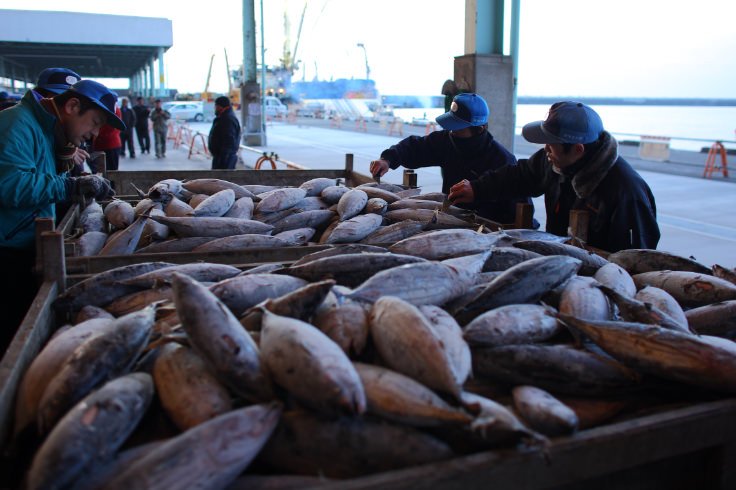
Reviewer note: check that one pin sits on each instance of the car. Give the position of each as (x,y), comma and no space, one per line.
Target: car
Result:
(274,107)
(312,109)
(185,111)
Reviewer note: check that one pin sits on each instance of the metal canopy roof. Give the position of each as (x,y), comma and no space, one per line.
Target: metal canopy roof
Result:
(93,45)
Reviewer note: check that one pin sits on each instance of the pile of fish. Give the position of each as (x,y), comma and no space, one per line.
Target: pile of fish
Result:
(206,215)
(360,359)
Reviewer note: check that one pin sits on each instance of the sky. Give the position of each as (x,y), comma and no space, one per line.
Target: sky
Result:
(624,48)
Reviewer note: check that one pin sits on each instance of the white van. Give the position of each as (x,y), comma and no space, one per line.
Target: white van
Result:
(274,106)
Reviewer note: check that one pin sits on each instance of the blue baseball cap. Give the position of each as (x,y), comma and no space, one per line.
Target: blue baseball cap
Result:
(567,122)
(466,110)
(103,97)
(3,95)
(57,80)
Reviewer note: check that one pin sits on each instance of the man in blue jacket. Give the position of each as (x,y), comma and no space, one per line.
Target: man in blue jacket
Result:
(224,138)
(33,132)
(578,168)
(464,149)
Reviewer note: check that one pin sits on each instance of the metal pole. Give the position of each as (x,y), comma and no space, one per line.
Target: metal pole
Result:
(161,72)
(514,48)
(263,78)
(152,77)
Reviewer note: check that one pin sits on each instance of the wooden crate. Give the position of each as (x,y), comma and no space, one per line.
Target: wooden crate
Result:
(689,447)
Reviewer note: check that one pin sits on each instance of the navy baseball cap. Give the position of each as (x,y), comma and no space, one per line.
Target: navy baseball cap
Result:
(567,122)
(57,80)
(103,97)
(466,110)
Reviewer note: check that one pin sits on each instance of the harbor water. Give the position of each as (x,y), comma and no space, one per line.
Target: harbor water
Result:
(689,127)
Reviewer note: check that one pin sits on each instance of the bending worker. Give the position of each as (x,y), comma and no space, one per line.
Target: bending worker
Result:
(578,168)
(464,149)
(33,132)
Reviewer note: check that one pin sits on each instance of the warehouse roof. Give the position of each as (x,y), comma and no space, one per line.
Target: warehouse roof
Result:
(95,45)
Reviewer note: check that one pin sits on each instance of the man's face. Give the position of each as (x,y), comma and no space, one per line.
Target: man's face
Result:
(561,159)
(78,126)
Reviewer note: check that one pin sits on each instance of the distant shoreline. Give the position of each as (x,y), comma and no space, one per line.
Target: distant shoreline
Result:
(438,101)
(700,102)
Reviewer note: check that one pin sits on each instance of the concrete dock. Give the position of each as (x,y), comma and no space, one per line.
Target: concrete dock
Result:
(697,216)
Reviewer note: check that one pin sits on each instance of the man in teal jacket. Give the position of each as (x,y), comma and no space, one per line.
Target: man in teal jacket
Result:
(33,131)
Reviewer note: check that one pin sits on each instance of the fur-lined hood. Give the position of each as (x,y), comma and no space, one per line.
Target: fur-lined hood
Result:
(594,168)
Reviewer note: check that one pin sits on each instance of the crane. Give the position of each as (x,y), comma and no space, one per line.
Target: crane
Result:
(206,96)
(367,68)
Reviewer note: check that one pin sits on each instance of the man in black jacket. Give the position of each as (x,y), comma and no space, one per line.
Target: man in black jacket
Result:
(224,139)
(464,149)
(126,137)
(142,113)
(578,168)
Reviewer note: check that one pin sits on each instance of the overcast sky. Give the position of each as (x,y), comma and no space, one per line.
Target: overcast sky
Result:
(648,48)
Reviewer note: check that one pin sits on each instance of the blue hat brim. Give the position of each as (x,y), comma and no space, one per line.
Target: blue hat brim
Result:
(55,88)
(112,119)
(534,133)
(450,121)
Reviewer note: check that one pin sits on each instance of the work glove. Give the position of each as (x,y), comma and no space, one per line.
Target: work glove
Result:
(89,186)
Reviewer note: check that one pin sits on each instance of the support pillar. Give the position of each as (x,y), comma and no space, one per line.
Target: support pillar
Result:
(161,73)
(250,92)
(152,78)
(485,70)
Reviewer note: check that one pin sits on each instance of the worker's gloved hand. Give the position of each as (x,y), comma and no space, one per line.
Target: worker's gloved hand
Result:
(89,186)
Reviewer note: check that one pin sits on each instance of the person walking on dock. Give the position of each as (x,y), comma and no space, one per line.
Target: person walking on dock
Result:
(160,119)
(578,168)
(224,138)
(142,113)
(126,137)
(464,149)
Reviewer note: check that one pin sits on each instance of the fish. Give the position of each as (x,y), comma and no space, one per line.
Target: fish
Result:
(318,218)
(244,291)
(217,336)
(724,273)
(297,236)
(186,244)
(667,353)
(346,324)
(399,398)
(664,301)
(615,277)
(280,199)
(240,242)
(189,393)
(102,288)
(97,360)
(333,193)
(314,187)
(213,227)
(210,455)
(290,348)
(394,232)
(558,368)
(717,319)
(177,208)
(90,243)
(350,269)
(92,432)
(503,258)
(633,310)
(242,209)
(300,304)
(543,412)
(119,213)
(590,262)
(349,248)
(638,260)
(375,205)
(215,205)
(126,241)
(526,282)
(139,300)
(355,229)
(582,298)
(443,244)
(201,271)
(512,324)
(690,289)
(212,186)
(351,204)
(409,344)
(304,443)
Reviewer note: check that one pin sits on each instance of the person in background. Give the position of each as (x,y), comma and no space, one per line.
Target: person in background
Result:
(126,137)
(464,149)
(142,113)
(224,138)
(160,119)
(578,168)
(108,141)
(30,183)
(5,101)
